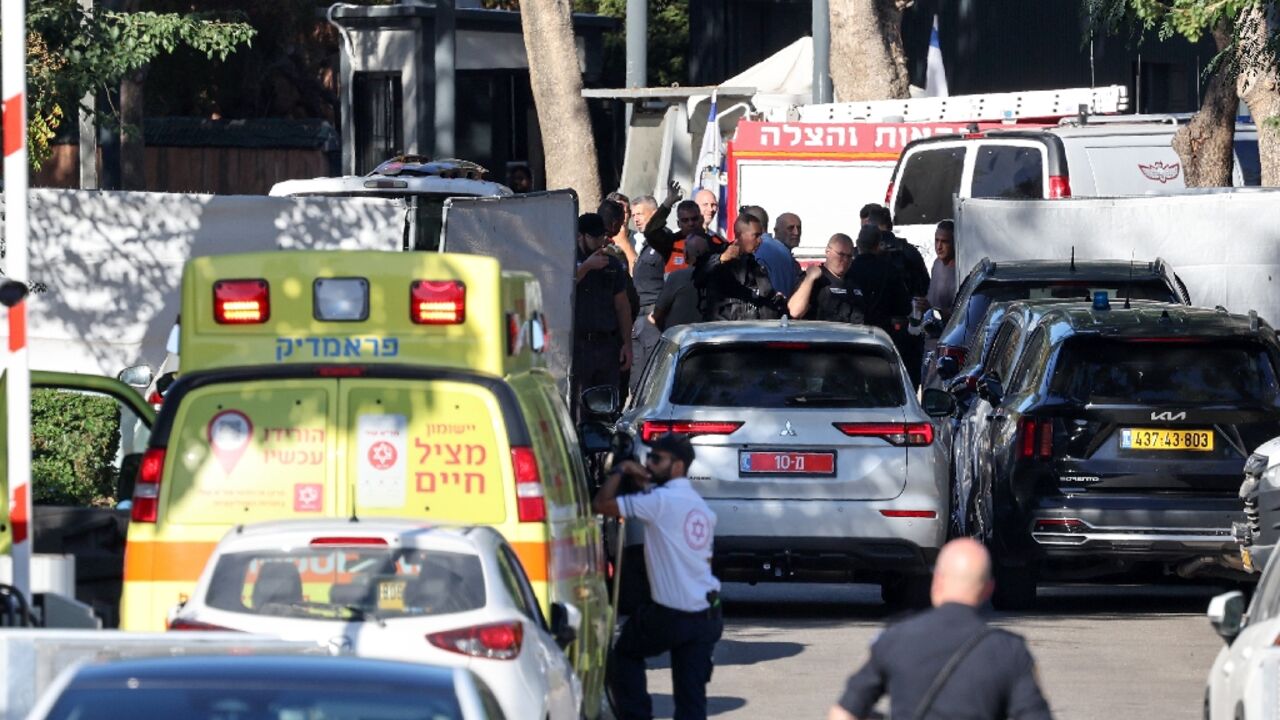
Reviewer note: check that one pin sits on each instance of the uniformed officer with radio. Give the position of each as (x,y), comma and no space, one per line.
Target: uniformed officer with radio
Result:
(601,313)
(683,617)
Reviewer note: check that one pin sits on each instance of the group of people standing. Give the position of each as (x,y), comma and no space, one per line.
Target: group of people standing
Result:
(637,277)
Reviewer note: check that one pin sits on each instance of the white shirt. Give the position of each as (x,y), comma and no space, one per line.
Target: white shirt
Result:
(679,529)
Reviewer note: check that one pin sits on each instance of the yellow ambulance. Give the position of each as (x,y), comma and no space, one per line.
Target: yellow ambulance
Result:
(365,384)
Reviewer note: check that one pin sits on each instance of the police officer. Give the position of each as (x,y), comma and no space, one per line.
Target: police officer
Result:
(947,662)
(733,284)
(823,294)
(683,617)
(884,294)
(601,313)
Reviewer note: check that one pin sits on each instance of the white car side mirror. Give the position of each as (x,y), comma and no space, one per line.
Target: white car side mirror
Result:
(1226,614)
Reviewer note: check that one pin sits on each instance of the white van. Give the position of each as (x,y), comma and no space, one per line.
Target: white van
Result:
(1123,155)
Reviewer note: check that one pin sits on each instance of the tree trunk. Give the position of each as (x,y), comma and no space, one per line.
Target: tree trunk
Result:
(1206,144)
(867,58)
(133,153)
(556,79)
(1259,83)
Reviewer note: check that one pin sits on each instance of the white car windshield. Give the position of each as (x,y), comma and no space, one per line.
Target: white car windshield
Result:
(347,583)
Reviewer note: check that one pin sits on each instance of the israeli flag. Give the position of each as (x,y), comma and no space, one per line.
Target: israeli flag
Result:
(709,154)
(935,75)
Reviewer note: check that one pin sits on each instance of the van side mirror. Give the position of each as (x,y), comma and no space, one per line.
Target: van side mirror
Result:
(938,403)
(601,400)
(990,389)
(1226,614)
(566,620)
(948,367)
(138,376)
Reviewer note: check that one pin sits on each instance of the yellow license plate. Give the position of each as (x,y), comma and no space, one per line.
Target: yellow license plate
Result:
(1151,439)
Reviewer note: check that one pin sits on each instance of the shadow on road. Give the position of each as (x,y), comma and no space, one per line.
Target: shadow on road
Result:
(664,706)
(739,652)
(1101,601)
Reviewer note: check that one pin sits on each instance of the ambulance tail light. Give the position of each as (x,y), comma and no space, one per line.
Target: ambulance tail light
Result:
(347,541)
(241,302)
(438,302)
(888,194)
(530,505)
(497,641)
(1059,186)
(146,491)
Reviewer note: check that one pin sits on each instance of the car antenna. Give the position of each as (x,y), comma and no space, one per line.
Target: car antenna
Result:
(1073,258)
(1128,287)
(354,517)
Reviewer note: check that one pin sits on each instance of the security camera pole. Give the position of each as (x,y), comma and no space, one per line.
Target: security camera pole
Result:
(18,375)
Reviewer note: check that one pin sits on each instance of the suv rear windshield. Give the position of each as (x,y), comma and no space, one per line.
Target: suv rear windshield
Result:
(1213,372)
(790,375)
(328,583)
(1147,288)
(929,179)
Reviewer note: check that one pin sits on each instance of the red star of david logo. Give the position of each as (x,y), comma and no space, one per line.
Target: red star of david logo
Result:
(697,529)
(382,455)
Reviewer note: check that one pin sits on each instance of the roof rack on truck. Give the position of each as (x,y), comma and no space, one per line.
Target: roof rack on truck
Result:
(987,107)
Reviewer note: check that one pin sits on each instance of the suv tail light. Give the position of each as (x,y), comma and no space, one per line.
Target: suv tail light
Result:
(651,430)
(241,302)
(183,624)
(438,302)
(898,434)
(1036,439)
(498,641)
(1059,186)
(530,504)
(146,491)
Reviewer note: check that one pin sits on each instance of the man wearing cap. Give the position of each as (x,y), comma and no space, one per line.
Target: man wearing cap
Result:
(601,350)
(684,615)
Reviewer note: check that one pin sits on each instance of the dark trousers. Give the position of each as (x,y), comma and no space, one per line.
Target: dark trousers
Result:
(653,630)
(645,337)
(595,362)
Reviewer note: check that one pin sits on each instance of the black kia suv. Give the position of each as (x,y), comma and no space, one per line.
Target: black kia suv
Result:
(1118,440)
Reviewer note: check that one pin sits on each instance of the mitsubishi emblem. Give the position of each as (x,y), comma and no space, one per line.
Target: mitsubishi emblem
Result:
(787,430)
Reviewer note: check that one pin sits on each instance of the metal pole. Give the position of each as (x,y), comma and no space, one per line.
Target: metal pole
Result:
(821,29)
(446,104)
(13,57)
(88,132)
(637,43)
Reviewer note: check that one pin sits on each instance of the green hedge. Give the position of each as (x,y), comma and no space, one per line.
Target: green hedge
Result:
(74,440)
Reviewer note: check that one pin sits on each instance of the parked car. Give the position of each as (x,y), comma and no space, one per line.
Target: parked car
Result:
(1260,531)
(1127,156)
(1249,659)
(1003,330)
(812,450)
(1118,440)
(400,590)
(265,688)
(1067,279)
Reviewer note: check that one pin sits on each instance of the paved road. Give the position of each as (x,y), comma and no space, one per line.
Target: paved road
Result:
(1131,652)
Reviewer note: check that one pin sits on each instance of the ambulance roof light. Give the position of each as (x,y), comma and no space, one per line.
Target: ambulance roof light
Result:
(241,302)
(438,302)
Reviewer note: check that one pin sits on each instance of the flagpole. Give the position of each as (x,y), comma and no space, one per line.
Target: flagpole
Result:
(18,375)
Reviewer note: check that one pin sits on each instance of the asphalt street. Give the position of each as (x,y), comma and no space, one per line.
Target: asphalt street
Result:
(1130,651)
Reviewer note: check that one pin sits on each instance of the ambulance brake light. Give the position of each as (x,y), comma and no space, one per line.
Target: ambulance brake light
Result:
(438,302)
(146,491)
(241,302)
(530,504)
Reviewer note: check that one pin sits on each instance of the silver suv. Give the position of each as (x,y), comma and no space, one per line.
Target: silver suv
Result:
(811,448)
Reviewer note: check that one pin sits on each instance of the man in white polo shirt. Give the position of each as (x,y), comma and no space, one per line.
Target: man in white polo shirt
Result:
(684,615)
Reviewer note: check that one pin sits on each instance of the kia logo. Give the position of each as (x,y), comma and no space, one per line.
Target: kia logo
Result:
(1168,415)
